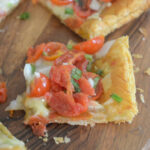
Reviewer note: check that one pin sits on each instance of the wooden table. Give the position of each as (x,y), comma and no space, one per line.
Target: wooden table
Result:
(43,27)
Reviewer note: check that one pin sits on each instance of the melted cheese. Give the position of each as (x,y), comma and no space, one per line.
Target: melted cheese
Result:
(36,106)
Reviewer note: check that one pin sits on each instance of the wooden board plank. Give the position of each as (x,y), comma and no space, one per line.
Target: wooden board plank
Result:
(43,27)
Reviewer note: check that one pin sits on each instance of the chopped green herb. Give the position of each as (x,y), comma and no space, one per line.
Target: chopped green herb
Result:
(44,54)
(99,72)
(76,85)
(69,46)
(76,73)
(89,57)
(116,98)
(69,11)
(24,16)
(96,80)
(33,68)
(89,67)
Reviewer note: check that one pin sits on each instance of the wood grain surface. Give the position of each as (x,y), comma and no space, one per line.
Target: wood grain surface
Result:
(43,27)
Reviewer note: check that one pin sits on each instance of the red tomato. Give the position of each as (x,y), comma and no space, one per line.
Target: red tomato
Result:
(70,57)
(81,13)
(85,86)
(61,76)
(90,46)
(35,53)
(67,105)
(98,90)
(38,125)
(81,62)
(39,86)
(3,92)
(74,23)
(61,2)
(53,50)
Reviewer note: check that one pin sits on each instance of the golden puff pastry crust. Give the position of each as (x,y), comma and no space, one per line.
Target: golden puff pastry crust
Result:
(120,13)
(8,141)
(119,79)
(111,18)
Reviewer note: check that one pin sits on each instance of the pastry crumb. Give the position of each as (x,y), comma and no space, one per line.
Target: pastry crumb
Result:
(143,31)
(45,139)
(136,69)
(140,90)
(142,98)
(60,140)
(138,56)
(147,71)
(66,139)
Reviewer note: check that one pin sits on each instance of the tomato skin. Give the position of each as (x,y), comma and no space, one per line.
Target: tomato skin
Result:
(53,50)
(81,13)
(39,86)
(67,105)
(85,86)
(99,90)
(3,92)
(35,53)
(91,46)
(74,23)
(38,125)
(61,2)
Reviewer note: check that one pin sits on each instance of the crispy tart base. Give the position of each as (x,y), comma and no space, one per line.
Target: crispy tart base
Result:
(120,13)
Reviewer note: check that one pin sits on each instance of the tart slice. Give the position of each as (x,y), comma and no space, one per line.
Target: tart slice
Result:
(78,84)
(91,18)
(8,141)
(7,6)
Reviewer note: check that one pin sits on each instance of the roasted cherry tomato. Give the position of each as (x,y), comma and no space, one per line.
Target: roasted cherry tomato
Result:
(74,23)
(80,12)
(61,75)
(39,86)
(3,92)
(35,53)
(90,46)
(85,86)
(99,90)
(67,105)
(53,50)
(61,2)
(38,125)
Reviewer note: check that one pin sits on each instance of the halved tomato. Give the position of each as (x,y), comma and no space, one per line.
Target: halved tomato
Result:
(74,23)
(90,46)
(67,105)
(53,50)
(80,12)
(39,86)
(35,53)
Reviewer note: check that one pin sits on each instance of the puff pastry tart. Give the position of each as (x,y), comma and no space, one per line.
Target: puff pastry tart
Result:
(91,18)
(78,84)
(7,6)
(8,141)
